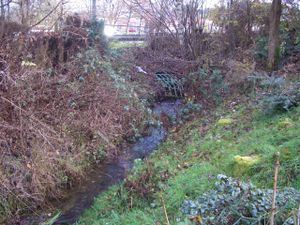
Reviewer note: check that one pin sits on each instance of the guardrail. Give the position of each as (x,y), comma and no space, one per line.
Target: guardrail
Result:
(129,37)
(126,29)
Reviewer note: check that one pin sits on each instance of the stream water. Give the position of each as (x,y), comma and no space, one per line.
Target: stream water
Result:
(115,170)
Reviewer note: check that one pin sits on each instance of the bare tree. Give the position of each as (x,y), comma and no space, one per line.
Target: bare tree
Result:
(182,21)
(2,15)
(112,10)
(4,9)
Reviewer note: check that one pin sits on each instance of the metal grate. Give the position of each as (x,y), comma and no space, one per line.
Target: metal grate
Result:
(173,86)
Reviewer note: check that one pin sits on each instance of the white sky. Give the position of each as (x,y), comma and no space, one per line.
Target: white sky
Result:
(83,5)
(78,5)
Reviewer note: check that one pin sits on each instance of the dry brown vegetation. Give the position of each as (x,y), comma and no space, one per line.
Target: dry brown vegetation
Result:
(58,116)
(52,123)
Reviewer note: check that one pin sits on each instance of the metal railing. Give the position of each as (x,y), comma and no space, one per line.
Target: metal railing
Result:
(127,29)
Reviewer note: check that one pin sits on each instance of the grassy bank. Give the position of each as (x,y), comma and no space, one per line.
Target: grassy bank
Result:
(186,165)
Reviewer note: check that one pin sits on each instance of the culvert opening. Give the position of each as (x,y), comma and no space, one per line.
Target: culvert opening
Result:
(172,86)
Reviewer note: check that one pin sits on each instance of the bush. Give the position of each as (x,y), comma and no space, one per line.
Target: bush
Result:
(280,95)
(273,83)
(261,52)
(273,103)
(236,202)
(189,108)
(96,35)
(209,84)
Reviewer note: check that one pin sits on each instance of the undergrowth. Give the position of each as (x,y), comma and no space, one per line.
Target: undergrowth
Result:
(55,123)
(187,164)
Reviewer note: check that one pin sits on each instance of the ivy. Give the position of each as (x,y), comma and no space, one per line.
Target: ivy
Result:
(236,202)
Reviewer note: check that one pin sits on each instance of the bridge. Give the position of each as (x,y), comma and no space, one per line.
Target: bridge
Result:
(125,32)
(128,37)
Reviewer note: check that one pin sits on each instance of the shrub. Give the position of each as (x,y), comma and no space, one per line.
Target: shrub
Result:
(209,84)
(273,103)
(189,108)
(272,83)
(96,35)
(280,95)
(262,48)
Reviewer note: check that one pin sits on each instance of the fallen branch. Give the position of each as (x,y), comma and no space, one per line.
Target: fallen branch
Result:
(298,216)
(164,207)
(273,213)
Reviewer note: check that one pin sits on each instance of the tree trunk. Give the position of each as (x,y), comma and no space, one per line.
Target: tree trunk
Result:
(128,20)
(231,33)
(8,11)
(94,10)
(249,23)
(273,53)
(22,12)
(2,16)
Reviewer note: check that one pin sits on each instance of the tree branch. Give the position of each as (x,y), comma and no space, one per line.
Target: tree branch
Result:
(48,14)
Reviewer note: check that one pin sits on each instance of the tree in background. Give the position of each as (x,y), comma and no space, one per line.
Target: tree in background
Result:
(93,9)
(31,12)
(273,46)
(112,10)
(182,22)
(4,9)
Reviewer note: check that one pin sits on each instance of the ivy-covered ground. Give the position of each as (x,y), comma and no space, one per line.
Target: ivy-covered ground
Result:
(238,140)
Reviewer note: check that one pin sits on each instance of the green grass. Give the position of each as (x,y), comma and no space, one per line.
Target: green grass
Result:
(185,166)
(118,48)
(125,44)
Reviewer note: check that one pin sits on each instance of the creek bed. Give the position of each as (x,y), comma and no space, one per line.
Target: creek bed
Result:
(115,170)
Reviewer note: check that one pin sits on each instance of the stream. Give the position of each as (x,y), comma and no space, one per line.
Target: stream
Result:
(114,171)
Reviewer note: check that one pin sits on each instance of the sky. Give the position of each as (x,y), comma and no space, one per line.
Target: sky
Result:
(78,5)
(83,5)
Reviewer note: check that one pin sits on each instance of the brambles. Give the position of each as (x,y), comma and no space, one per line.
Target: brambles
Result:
(189,108)
(54,123)
(208,85)
(144,183)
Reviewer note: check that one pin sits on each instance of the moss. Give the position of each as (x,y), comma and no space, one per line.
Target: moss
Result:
(244,163)
(285,123)
(224,122)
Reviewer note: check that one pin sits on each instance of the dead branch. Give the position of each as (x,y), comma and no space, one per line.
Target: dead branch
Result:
(273,213)
(165,210)
(47,15)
